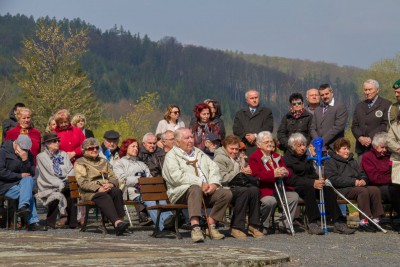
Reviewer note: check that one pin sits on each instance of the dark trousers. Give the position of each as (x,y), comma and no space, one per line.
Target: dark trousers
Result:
(310,195)
(391,194)
(369,200)
(219,201)
(244,198)
(110,203)
(72,211)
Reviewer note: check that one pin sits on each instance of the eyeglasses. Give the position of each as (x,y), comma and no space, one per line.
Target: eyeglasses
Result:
(54,141)
(299,103)
(170,139)
(92,148)
(175,112)
(151,143)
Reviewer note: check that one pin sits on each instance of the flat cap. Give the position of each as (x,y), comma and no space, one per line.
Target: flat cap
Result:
(111,134)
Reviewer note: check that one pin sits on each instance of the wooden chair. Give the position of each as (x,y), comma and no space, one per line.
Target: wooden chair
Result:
(155,189)
(74,191)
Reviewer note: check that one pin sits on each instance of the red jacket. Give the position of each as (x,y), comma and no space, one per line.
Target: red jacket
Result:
(377,167)
(71,140)
(267,179)
(33,133)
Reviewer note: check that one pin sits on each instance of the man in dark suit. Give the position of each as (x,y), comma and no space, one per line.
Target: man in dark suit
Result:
(251,120)
(370,117)
(329,121)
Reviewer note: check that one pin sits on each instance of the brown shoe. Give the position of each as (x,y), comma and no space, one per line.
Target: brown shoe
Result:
(236,233)
(215,234)
(255,232)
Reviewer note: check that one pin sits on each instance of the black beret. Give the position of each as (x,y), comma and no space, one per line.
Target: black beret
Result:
(111,134)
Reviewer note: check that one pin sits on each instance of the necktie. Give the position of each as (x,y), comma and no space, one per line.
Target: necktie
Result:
(325,108)
(252,110)
(369,104)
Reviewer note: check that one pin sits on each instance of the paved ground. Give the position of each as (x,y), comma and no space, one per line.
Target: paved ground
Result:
(73,248)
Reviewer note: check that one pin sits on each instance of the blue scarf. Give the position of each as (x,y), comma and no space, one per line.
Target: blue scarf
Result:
(57,161)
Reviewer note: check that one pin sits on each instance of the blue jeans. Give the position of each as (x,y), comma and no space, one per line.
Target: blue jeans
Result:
(23,192)
(153,213)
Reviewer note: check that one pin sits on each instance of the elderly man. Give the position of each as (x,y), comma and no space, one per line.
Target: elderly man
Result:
(109,148)
(312,97)
(151,154)
(370,117)
(191,177)
(329,120)
(251,120)
(16,182)
(167,140)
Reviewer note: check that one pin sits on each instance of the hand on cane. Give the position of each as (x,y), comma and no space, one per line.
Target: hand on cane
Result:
(319,184)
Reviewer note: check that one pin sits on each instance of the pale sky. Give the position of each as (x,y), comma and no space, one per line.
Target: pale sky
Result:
(346,32)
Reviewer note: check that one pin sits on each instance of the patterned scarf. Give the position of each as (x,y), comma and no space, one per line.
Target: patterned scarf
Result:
(296,113)
(57,160)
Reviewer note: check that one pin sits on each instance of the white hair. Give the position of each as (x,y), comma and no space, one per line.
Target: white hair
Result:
(296,138)
(251,90)
(373,82)
(179,132)
(261,135)
(147,136)
(379,139)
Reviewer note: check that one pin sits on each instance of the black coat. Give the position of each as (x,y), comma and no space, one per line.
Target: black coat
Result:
(88,133)
(154,160)
(343,173)
(11,167)
(303,169)
(245,122)
(369,121)
(290,125)
(9,123)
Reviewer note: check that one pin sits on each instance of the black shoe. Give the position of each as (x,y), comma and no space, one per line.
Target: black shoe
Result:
(169,223)
(315,229)
(144,220)
(23,212)
(121,228)
(37,227)
(366,228)
(341,228)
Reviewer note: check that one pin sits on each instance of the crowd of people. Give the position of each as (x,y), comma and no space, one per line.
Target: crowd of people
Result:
(201,163)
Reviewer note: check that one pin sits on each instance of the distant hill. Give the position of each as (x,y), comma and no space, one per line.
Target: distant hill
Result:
(123,65)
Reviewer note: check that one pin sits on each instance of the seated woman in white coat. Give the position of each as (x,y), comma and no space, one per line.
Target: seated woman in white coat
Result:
(129,169)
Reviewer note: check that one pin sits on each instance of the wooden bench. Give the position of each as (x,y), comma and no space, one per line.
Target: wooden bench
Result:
(10,204)
(74,191)
(155,189)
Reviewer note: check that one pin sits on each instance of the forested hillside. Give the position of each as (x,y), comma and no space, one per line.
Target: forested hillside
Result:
(123,65)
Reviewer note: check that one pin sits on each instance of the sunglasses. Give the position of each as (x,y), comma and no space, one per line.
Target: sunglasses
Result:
(175,112)
(54,141)
(93,148)
(299,103)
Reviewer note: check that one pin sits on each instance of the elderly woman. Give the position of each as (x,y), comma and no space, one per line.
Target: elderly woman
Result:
(171,120)
(243,197)
(24,126)
(79,120)
(54,168)
(268,166)
(377,165)
(305,182)
(128,170)
(203,125)
(97,182)
(346,176)
(297,120)
(71,137)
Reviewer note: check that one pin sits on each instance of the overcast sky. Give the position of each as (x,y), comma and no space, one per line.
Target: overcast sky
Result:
(346,32)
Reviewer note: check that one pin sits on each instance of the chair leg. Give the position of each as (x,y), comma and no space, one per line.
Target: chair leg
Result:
(84,226)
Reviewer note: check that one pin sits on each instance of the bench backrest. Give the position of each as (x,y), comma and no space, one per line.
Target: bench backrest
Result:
(153,188)
(73,187)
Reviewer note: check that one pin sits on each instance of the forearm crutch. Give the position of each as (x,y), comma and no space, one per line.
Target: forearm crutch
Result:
(194,165)
(318,144)
(328,183)
(285,208)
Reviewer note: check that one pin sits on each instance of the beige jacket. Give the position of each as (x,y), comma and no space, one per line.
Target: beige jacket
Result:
(89,178)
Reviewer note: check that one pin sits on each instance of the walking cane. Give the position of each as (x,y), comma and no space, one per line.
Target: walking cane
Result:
(328,183)
(285,206)
(318,144)
(194,164)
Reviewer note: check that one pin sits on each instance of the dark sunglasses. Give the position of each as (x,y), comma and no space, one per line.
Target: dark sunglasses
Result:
(175,112)
(297,103)
(92,148)
(54,141)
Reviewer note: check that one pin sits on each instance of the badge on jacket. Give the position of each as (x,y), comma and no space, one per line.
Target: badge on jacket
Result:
(378,113)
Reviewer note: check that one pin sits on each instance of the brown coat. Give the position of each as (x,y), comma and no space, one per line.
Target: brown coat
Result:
(89,178)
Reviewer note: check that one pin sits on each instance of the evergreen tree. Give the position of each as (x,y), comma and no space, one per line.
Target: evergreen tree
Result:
(52,78)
